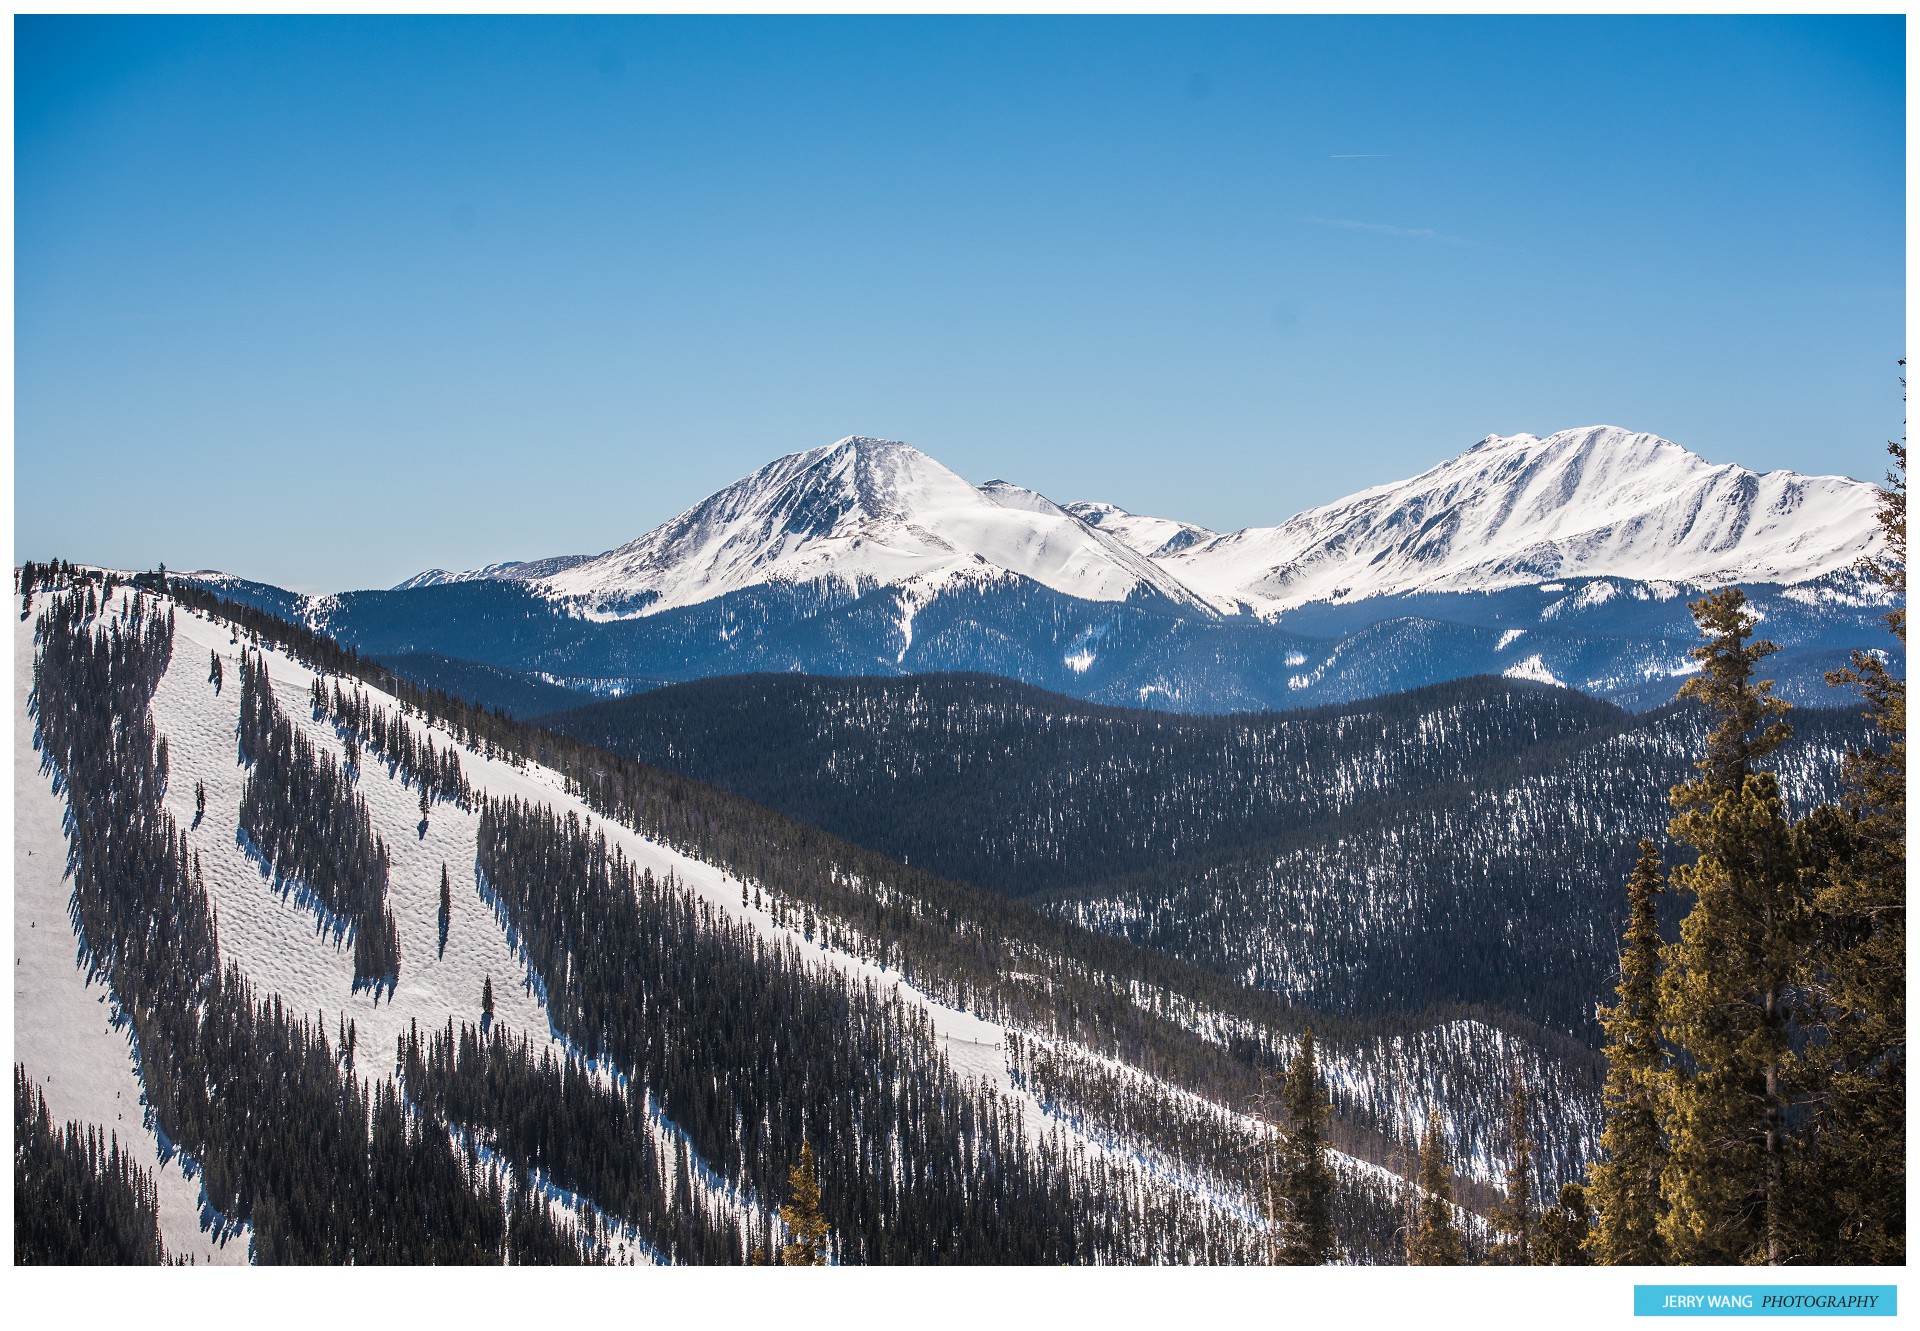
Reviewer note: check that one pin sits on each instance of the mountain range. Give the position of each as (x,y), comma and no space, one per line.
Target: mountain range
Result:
(1565,559)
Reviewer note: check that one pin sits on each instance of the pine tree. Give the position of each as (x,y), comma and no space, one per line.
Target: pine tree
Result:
(802,1215)
(446,907)
(1625,1180)
(1566,1230)
(1514,1218)
(1855,855)
(1435,1239)
(1727,993)
(486,1002)
(1306,1176)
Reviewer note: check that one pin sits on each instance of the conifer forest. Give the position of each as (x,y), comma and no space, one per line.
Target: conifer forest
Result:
(944,968)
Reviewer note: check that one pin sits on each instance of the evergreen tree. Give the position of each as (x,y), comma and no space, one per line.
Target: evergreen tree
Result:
(446,907)
(1514,1218)
(1855,855)
(1306,1176)
(1566,1230)
(802,1215)
(486,1002)
(1435,1239)
(1727,994)
(1626,1178)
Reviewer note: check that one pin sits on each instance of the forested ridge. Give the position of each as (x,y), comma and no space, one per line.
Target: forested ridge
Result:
(1350,857)
(978,950)
(1012,788)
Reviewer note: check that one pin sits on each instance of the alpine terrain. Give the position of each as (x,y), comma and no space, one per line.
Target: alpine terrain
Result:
(1565,560)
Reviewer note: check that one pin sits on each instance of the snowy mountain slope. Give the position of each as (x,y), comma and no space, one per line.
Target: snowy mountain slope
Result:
(857,514)
(1596,501)
(281,946)
(1152,537)
(1519,509)
(279,943)
(66,1028)
(526,570)
(868,557)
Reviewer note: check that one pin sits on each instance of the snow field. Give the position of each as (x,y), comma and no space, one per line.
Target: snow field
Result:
(64,1025)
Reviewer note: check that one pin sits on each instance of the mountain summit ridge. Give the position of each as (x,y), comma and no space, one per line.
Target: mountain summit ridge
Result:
(1599,501)
(866,512)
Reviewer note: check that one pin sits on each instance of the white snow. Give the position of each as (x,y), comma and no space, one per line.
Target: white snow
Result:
(1508,638)
(858,514)
(1149,536)
(1532,667)
(1511,511)
(1514,510)
(64,1026)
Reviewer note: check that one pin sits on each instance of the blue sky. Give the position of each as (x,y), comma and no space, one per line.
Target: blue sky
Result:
(327,301)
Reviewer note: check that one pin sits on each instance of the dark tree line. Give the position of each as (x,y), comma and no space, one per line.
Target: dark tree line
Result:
(300,812)
(289,1140)
(1366,915)
(1012,788)
(554,1117)
(435,772)
(78,1199)
(752,1051)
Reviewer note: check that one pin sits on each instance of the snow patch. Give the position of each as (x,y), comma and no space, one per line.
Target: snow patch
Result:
(1533,668)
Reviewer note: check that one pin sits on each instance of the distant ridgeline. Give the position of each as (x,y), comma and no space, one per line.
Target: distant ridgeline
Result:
(1568,559)
(504,644)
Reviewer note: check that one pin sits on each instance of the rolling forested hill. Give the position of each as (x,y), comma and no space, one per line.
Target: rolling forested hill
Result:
(1461,843)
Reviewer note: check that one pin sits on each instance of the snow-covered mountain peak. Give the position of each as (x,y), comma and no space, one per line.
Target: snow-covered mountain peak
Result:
(856,514)
(864,512)
(1600,500)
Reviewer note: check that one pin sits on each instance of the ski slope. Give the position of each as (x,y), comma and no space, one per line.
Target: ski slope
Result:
(64,1025)
(64,1030)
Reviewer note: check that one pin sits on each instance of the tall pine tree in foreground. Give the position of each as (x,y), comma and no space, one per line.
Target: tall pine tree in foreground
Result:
(1306,1175)
(1856,858)
(1435,1239)
(1625,1180)
(1727,994)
